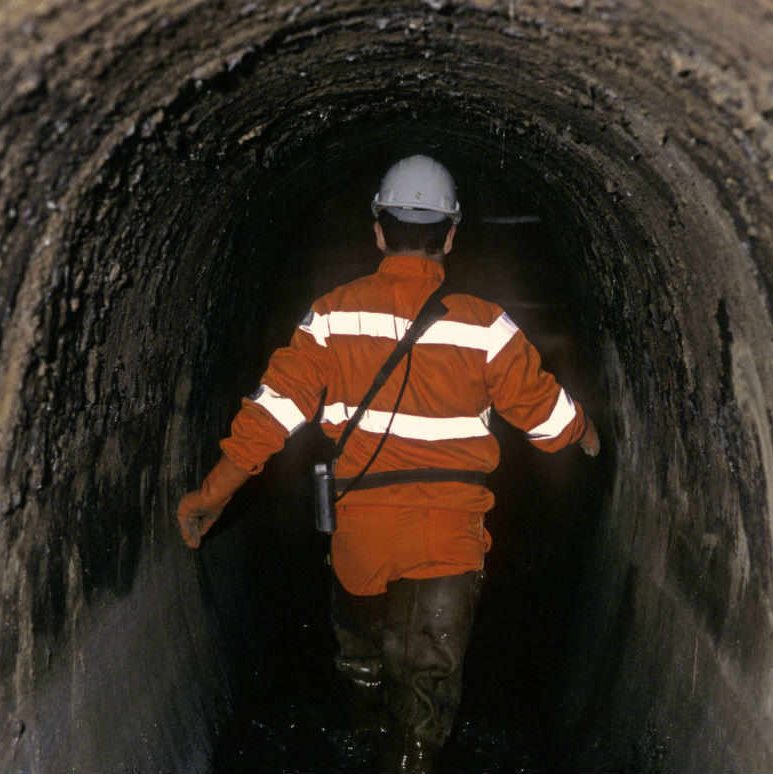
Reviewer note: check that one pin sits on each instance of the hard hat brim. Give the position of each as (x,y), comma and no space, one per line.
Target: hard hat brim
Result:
(408,214)
(412,215)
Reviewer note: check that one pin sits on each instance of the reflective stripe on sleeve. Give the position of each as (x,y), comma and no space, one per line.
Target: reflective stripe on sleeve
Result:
(318,327)
(563,413)
(408,425)
(282,409)
(500,332)
(489,338)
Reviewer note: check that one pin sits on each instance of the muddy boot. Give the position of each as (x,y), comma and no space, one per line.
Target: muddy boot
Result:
(426,629)
(358,627)
(402,752)
(364,706)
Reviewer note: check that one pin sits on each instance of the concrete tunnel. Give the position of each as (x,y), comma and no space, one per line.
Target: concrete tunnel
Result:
(178,179)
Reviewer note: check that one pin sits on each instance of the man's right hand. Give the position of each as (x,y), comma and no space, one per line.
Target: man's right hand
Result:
(195,517)
(200,509)
(590,442)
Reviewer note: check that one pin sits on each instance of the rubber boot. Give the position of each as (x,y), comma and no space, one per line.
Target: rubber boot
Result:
(402,752)
(427,626)
(358,627)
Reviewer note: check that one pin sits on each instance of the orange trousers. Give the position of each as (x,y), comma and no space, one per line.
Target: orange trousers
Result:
(375,545)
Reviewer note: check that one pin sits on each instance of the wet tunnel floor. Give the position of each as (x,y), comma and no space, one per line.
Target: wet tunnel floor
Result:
(297,723)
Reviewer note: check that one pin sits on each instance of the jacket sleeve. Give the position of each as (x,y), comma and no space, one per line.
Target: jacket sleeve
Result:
(287,398)
(530,398)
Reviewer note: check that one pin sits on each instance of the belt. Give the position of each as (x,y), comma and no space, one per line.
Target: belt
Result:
(419,476)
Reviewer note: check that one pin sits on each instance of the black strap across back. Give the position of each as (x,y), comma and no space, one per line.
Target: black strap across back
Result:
(432,310)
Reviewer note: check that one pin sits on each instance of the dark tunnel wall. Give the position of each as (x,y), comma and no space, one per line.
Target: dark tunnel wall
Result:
(137,139)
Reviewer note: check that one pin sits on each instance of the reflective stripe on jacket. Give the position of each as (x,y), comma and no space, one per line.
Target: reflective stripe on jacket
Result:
(471,360)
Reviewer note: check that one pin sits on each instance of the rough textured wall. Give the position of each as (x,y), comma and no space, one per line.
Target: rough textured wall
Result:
(136,136)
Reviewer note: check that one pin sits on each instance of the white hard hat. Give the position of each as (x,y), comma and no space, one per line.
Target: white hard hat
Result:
(418,189)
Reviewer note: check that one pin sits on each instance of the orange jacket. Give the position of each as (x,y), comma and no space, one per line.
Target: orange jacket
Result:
(471,360)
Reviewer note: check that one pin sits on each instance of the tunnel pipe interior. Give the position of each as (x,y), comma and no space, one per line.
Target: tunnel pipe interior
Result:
(155,161)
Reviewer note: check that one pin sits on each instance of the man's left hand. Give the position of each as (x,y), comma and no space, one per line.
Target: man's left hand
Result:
(590,442)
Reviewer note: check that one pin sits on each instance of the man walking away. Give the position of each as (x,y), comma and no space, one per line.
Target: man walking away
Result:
(409,546)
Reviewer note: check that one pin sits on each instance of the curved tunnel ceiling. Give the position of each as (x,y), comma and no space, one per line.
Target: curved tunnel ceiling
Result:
(137,139)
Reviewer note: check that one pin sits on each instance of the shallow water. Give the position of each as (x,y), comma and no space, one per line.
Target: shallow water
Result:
(289,717)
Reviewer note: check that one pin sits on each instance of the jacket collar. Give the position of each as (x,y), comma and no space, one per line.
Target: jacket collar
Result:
(412,265)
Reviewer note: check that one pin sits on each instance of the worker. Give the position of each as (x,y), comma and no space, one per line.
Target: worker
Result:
(408,550)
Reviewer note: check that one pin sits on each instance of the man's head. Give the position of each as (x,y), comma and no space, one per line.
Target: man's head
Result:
(416,208)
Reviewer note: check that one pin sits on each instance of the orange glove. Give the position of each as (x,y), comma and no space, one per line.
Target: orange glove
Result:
(200,509)
(590,442)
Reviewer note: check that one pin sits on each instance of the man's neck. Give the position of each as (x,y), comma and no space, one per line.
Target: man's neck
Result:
(436,257)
